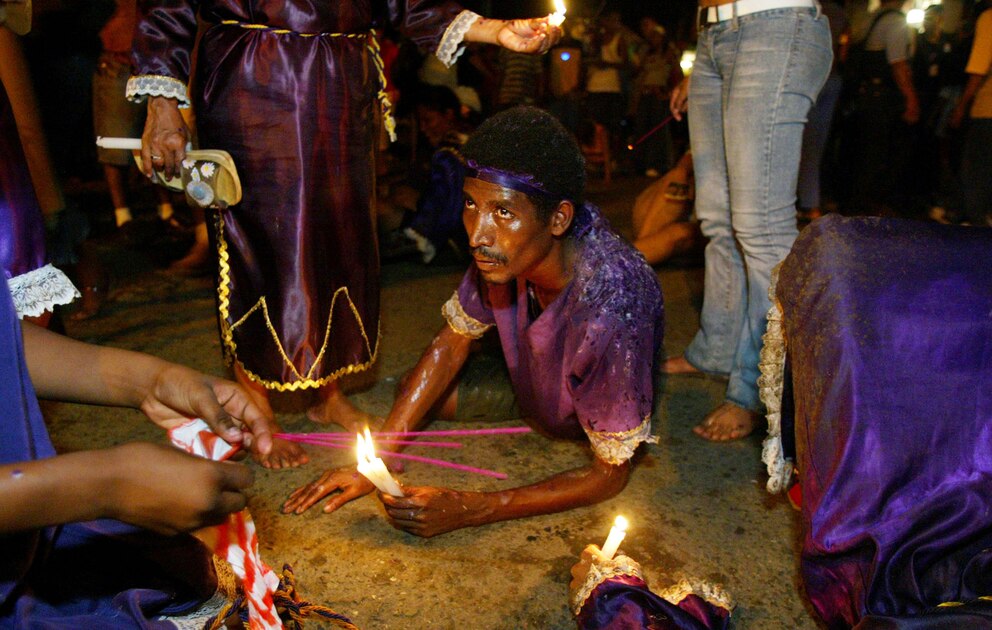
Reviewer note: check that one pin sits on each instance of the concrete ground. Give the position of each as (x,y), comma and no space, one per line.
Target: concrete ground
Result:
(695,508)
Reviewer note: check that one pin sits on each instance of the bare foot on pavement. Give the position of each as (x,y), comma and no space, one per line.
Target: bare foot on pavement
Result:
(727,422)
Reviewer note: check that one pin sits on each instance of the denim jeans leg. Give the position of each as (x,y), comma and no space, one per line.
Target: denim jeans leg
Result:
(753,82)
(781,59)
(712,349)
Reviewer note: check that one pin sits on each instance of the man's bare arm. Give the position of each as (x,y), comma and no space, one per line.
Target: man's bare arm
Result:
(429,511)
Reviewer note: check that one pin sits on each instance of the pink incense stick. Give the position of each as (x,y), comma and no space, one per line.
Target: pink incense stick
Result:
(448,433)
(416,458)
(317,438)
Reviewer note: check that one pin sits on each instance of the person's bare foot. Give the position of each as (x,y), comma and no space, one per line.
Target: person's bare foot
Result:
(198,261)
(727,422)
(333,407)
(678,365)
(284,454)
(89,305)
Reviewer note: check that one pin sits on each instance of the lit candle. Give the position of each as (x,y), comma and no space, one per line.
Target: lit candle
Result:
(556,18)
(372,467)
(617,532)
(133,144)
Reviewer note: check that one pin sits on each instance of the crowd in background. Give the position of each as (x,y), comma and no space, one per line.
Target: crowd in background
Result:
(897,152)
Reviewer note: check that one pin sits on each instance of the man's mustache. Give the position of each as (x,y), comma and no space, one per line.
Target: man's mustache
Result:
(489,254)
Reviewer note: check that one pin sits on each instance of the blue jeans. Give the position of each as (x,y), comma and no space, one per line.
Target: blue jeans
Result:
(753,82)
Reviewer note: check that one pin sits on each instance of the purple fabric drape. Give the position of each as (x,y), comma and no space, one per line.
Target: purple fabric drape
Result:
(22,229)
(625,602)
(889,329)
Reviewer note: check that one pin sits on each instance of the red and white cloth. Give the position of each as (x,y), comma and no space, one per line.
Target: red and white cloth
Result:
(235,540)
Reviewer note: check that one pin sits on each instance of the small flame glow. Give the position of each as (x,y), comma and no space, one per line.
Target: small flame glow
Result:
(556,18)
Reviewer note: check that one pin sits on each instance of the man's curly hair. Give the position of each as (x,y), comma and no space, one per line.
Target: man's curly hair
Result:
(530,141)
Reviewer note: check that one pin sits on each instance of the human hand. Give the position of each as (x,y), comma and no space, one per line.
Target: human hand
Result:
(679,102)
(535,35)
(428,511)
(168,491)
(178,393)
(591,554)
(351,484)
(163,143)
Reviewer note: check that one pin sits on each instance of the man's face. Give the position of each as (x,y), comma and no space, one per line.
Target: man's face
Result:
(507,238)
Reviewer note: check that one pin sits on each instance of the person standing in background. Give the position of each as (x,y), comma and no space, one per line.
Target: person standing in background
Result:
(756,75)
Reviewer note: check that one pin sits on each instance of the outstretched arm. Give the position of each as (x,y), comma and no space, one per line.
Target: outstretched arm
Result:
(533,35)
(65,369)
(152,486)
(430,378)
(429,511)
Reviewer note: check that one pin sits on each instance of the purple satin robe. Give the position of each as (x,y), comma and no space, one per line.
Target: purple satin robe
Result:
(586,363)
(889,329)
(101,575)
(22,229)
(299,277)
(626,603)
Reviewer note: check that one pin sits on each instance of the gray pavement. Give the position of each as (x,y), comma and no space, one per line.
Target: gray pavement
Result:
(696,509)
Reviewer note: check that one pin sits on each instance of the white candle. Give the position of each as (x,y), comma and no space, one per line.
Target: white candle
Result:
(372,467)
(556,18)
(133,144)
(617,532)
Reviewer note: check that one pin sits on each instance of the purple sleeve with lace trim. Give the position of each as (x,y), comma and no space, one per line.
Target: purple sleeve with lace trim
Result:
(626,602)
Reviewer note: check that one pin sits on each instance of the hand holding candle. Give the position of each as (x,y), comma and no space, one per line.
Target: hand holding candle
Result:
(372,467)
(617,532)
(556,18)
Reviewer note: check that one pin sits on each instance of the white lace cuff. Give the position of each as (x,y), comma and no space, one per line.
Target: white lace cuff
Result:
(712,593)
(450,48)
(599,572)
(41,290)
(460,321)
(616,448)
(142,86)
(772,364)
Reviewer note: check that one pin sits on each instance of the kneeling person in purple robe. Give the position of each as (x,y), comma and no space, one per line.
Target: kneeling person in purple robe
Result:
(580,320)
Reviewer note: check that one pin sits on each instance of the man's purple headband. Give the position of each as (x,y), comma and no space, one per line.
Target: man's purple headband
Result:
(527,184)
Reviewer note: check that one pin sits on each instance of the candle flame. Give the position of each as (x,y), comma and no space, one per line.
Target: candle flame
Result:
(556,18)
(364,450)
(620,523)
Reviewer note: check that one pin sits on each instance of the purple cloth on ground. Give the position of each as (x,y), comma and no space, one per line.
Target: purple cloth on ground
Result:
(626,603)
(298,116)
(97,575)
(587,361)
(889,328)
(22,229)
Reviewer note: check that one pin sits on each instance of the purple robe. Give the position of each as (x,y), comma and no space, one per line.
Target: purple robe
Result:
(625,602)
(889,329)
(22,229)
(585,365)
(299,267)
(96,575)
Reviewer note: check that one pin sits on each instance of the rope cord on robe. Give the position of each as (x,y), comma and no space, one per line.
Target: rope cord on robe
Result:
(370,42)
